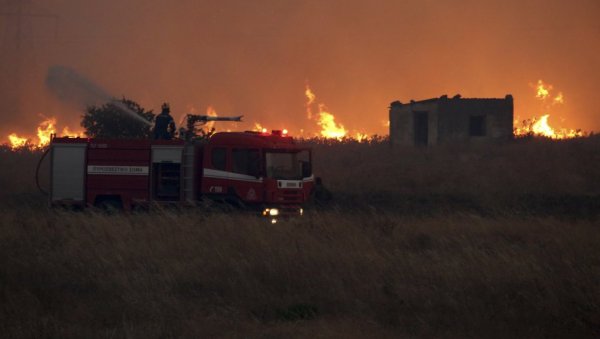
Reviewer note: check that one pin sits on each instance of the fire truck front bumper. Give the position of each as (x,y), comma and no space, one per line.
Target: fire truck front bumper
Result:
(282,212)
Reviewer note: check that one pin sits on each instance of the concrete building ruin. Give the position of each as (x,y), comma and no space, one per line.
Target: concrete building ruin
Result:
(446,120)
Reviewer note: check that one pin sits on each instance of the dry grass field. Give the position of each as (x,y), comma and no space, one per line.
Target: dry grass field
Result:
(525,175)
(456,241)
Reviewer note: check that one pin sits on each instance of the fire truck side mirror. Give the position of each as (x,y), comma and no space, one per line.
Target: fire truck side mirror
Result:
(306,169)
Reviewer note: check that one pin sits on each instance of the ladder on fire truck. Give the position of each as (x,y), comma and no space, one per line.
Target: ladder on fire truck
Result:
(188,173)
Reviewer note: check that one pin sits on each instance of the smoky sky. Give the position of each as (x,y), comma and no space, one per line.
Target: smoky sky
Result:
(256,57)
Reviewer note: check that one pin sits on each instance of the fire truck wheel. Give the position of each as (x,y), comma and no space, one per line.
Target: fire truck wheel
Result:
(109,204)
(235,203)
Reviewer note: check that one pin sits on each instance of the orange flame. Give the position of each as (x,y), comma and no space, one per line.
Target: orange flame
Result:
(329,128)
(310,96)
(66,132)
(542,90)
(44,133)
(259,128)
(211,112)
(360,137)
(540,126)
(16,141)
(559,99)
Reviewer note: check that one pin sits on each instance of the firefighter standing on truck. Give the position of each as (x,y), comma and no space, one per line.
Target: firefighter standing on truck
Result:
(164,125)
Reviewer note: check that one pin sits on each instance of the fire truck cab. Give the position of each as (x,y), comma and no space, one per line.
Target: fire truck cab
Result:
(266,171)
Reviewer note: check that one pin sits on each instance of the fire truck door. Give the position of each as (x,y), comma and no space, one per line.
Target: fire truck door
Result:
(246,174)
(166,173)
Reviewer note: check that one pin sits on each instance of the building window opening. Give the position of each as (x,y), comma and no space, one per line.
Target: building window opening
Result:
(421,128)
(477,126)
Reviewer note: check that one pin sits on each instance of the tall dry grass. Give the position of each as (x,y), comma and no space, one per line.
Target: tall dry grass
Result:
(522,176)
(17,175)
(518,167)
(332,274)
(452,241)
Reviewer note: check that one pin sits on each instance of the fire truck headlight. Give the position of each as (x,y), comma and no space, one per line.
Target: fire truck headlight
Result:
(301,211)
(273,212)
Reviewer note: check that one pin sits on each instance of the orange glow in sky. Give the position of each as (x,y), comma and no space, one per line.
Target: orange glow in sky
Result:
(255,58)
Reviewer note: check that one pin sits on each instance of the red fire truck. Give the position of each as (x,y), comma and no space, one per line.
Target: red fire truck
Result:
(269,171)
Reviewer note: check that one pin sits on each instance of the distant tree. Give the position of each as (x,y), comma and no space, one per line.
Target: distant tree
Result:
(118,119)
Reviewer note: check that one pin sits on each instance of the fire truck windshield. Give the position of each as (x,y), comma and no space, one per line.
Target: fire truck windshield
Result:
(288,165)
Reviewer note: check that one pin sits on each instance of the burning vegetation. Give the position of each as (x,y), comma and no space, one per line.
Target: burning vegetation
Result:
(539,126)
(326,120)
(324,123)
(44,132)
(325,126)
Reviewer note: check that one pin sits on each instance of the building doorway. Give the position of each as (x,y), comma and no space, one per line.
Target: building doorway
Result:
(421,128)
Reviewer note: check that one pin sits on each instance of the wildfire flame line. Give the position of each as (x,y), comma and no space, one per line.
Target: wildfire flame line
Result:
(540,126)
(329,128)
(17,141)
(44,132)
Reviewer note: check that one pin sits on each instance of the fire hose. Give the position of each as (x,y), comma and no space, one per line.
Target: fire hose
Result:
(37,172)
